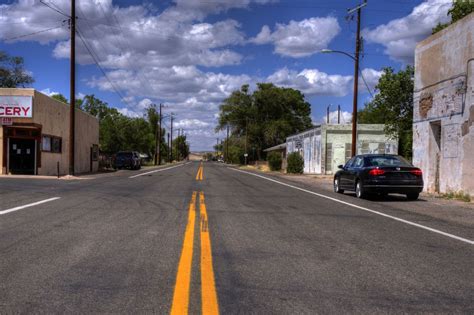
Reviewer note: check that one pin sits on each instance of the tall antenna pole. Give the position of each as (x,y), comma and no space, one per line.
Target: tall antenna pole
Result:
(72,95)
(327,114)
(338,114)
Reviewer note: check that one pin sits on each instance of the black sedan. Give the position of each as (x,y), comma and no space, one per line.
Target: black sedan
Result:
(379,174)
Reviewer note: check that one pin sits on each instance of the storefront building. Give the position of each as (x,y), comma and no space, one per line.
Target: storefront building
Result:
(34,135)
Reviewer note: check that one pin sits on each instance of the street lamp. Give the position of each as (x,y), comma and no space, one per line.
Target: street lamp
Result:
(354,102)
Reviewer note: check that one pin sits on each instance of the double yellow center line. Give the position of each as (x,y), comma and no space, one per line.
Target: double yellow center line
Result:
(199,174)
(183,279)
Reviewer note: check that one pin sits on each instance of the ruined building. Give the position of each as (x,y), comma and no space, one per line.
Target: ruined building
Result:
(443,128)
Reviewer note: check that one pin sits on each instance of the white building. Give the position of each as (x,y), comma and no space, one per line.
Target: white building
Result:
(326,146)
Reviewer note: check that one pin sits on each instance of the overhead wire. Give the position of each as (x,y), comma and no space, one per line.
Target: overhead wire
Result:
(33,33)
(114,87)
(53,7)
(142,80)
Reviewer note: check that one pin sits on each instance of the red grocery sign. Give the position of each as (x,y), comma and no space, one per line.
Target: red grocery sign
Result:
(16,106)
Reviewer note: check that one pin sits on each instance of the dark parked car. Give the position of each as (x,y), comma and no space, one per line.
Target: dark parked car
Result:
(379,174)
(127,159)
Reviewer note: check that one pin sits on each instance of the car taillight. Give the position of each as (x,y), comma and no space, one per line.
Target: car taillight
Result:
(376,172)
(416,172)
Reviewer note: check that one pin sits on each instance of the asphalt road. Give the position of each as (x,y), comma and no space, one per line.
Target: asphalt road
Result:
(215,239)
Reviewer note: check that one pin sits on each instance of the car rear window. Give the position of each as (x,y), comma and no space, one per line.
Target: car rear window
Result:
(387,161)
(124,154)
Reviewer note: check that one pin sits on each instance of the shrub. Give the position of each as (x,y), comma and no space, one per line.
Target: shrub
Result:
(274,161)
(295,163)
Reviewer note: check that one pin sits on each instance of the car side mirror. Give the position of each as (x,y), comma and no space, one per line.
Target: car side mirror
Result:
(340,167)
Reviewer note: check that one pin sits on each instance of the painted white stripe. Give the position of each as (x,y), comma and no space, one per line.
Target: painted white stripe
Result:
(155,171)
(28,205)
(471,242)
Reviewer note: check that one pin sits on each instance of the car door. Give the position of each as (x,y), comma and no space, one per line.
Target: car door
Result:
(344,175)
(353,171)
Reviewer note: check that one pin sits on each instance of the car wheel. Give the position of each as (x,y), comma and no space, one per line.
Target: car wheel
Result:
(360,190)
(413,196)
(337,189)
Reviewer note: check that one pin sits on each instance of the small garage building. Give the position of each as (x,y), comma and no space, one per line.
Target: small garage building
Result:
(34,135)
(325,147)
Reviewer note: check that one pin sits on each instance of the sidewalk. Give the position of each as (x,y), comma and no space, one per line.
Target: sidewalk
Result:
(87,176)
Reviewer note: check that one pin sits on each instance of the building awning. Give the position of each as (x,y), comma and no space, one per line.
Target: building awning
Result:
(276,148)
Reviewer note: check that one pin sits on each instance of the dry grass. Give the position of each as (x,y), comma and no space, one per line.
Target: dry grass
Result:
(456,195)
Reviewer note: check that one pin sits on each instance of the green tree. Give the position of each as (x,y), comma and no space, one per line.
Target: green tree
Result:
(63,99)
(295,163)
(12,73)
(265,117)
(60,97)
(95,107)
(459,9)
(274,161)
(180,148)
(393,106)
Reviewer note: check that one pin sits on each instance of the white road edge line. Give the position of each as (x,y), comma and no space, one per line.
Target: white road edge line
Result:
(158,170)
(471,242)
(28,205)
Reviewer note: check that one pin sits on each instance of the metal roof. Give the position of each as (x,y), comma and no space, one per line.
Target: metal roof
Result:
(277,147)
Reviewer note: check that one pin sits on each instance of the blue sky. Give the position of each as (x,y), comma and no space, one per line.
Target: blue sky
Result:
(191,54)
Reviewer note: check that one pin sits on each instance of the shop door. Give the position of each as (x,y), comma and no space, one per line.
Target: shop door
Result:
(21,156)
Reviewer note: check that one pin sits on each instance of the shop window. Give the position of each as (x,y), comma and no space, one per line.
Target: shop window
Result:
(46,144)
(56,145)
(51,144)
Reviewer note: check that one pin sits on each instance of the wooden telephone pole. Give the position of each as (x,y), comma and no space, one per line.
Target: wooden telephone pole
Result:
(356,78)
(72,95)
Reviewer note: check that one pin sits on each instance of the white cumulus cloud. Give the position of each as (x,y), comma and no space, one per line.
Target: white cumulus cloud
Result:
(312,81)
(400,36)
(299,38)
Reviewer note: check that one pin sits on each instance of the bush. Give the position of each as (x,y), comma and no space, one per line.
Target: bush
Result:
(274,161)
(295,163)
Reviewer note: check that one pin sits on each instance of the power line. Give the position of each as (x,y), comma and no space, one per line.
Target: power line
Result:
(117,22)
(52,7)
(122,98)
(34,33)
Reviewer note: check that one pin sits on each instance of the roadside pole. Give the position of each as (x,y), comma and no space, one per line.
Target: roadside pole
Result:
(72,90)
(159,138)
(227,146)
(171,139)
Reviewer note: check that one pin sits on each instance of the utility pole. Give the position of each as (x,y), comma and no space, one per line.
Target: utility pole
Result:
(159,139)
(171,139)
(356,78)
(227,146)
(217,147)
(72,95)
(327,114)
(169,147)
(177,146)
(246,132)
